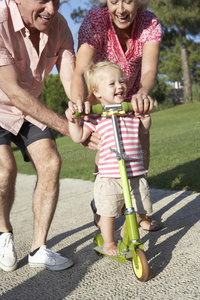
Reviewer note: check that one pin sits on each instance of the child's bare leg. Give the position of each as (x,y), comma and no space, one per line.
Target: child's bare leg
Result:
(107,225)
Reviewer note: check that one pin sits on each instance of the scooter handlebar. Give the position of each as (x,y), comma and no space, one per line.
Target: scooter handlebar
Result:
(98,108)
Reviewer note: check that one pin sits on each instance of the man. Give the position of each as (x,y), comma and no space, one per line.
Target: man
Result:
(33,37)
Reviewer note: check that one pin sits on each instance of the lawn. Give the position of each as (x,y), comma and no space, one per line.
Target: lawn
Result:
(175,148)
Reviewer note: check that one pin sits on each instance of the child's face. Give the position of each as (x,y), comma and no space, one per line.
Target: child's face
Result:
(112,88)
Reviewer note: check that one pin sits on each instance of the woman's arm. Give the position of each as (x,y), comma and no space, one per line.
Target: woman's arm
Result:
(142,102)
(84,58)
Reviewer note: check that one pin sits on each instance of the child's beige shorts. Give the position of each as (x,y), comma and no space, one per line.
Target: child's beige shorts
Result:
(109,198)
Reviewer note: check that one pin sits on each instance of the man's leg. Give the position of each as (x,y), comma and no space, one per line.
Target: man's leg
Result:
(46,160)
(8,171)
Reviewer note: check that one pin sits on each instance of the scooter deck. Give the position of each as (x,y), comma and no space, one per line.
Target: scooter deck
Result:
(120,258)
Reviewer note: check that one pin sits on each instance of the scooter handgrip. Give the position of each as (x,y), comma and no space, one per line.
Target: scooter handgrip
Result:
(95,109)
(127,106)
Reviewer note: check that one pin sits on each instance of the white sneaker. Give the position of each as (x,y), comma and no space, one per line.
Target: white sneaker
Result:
(46,258)
(8,255)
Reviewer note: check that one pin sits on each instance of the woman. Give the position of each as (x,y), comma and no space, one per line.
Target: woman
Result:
(124,32)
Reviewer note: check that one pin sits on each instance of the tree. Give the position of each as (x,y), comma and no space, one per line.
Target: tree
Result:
(161,91)
(182,17)
(53,95)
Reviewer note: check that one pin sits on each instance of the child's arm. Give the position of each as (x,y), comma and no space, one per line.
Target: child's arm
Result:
(145,123)
(78,133)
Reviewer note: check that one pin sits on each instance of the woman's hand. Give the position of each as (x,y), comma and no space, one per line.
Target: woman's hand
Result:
(142,103)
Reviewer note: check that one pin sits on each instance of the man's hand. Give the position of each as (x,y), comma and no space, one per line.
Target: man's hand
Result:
(93,142)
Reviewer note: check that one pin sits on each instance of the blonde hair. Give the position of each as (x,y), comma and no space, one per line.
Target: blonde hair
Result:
(143,4)
(93,80)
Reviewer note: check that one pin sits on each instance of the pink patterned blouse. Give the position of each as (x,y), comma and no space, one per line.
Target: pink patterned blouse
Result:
(97,30)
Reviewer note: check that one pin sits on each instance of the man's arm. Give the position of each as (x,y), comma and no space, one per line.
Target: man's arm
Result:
(29,104)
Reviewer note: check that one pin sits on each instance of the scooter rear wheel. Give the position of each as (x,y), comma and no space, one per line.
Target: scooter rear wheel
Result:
(142,269)
(98,241)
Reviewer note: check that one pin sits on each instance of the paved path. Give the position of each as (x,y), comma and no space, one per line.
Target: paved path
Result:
(173,253)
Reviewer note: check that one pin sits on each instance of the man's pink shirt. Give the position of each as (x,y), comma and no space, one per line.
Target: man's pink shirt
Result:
(16,48)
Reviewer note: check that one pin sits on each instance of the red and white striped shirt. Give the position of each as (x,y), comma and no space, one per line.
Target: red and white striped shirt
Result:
(129,133)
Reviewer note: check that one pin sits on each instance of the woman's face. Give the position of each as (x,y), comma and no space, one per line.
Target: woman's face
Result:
(123,12)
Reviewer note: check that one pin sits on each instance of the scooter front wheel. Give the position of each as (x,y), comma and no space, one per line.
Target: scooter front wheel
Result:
(141,270)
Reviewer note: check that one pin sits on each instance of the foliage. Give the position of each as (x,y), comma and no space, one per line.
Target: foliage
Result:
(160,93)
(54,96)
(175,144)
(170,60)
(78,14)
(196,92)
(181,16)
(181,21)
(163,106)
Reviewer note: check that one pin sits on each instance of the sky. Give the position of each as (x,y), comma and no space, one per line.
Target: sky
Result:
(66,9)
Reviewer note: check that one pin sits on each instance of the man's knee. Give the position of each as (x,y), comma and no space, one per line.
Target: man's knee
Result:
(51,164)
(54,163)
(8,174)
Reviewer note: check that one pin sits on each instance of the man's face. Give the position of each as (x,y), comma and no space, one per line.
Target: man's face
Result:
(38,14)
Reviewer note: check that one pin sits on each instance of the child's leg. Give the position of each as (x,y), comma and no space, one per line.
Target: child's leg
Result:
(107,226)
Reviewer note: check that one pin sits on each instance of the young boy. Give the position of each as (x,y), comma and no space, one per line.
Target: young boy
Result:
(105,81)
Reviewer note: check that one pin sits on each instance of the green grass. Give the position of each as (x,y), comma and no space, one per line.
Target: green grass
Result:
(175,145)
(175,151)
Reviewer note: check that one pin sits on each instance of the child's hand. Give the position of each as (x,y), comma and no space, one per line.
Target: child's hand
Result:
(145,122)
(69,113)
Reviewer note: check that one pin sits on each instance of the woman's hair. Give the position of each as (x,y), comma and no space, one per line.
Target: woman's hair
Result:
(142,3)
(93,79)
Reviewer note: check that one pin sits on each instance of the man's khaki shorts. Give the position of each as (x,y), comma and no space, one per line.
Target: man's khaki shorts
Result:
(109,198)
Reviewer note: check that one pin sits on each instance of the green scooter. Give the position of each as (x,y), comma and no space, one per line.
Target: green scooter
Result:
(130,247)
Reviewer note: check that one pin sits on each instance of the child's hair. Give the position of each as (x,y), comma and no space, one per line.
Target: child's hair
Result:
(143,4)
(92,78)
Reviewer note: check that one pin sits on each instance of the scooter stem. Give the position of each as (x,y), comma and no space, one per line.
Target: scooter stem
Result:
(129,212)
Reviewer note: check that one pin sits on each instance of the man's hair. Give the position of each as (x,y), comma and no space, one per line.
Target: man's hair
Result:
(143,4)
(92,77)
